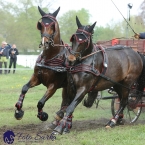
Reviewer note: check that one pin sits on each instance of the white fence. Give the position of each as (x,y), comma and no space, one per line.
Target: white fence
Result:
(27,60)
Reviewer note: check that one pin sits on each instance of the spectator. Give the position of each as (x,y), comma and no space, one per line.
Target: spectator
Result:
(13,52)
(4,55)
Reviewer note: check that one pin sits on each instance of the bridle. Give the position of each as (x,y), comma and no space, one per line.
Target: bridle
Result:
(50,37)
(81,36)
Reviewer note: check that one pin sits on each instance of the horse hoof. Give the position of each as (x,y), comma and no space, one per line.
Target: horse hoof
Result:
(108,127)
(55,133)
(42,116)
(19,114)
(58,129)
(86,103)
(51,126)
(110,124)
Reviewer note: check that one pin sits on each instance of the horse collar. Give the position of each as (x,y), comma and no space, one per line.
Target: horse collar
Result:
(56,63)
(83,67)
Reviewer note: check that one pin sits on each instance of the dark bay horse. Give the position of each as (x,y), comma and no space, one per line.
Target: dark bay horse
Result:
(95,69)
(49,69)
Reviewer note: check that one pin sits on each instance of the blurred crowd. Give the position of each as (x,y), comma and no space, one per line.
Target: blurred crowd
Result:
(9,54)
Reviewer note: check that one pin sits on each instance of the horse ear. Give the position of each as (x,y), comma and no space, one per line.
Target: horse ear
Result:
(56,12)
(41,12)
(92,27)
(78,22)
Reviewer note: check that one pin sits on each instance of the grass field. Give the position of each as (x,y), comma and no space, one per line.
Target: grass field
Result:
(88,124)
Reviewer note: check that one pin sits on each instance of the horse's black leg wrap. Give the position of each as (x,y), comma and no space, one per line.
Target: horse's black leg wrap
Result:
(64,125)
(112,122)
(19,104)
(43,116)
(19,112)
(40,105)
(120,120)
(57,118)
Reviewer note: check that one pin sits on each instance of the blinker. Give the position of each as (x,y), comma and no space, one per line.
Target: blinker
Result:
(39,26)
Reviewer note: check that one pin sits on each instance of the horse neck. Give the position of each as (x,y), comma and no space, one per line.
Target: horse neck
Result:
(51,52)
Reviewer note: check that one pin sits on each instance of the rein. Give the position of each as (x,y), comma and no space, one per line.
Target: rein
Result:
(90,54)
(100,50)
(60,45)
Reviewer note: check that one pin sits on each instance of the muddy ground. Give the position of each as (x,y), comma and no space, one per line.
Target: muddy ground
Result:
(25,132)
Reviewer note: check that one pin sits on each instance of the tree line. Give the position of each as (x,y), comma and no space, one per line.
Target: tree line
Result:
(18,24)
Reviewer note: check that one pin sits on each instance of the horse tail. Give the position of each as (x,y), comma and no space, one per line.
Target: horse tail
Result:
(141,79)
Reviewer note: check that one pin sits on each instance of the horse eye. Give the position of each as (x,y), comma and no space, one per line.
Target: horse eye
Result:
(52,27)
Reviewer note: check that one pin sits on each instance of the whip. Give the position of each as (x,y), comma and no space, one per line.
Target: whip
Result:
(124,18)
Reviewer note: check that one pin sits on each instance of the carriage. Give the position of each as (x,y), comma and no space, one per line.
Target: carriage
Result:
(83,70)
(137,45)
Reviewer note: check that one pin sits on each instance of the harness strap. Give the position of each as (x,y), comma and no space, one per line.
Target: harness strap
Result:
(83,68)
(92,69)
(54,68)
(56,63)
(105,61)
(84,32)
(108,79)
(105,65)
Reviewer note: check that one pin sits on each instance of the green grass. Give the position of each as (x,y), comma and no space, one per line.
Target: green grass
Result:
(10,90)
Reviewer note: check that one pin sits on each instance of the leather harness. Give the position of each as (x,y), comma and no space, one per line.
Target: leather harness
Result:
(57,64)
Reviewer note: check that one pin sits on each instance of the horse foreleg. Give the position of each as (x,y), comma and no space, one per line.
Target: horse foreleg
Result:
(19,112)
(65,124)
(66,100)
(43,116)
(65,103)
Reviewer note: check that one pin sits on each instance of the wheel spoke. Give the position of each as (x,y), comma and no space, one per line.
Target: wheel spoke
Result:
(130,115)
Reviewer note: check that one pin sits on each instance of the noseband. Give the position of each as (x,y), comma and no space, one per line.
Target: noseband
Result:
(50,37)
(86,38)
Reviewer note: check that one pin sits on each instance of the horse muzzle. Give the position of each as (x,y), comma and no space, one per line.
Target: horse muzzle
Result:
(71,59)
(44,46)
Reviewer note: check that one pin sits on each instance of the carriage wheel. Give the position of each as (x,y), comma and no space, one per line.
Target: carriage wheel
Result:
(130,114)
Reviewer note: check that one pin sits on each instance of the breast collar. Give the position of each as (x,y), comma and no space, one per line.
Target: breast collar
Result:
(82,67)
(56,63)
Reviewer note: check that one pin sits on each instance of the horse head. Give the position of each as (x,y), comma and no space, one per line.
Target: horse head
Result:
(49,28)
(81,42)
